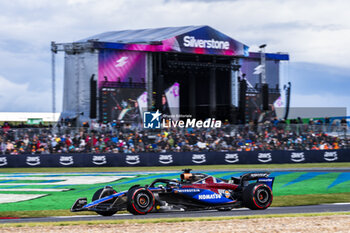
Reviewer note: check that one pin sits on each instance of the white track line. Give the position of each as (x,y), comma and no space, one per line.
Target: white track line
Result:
(87,216)
(35,190)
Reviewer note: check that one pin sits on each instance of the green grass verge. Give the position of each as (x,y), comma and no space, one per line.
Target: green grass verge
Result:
(178,168)
(163,220)
(291,200)
(310,199)
(41,213)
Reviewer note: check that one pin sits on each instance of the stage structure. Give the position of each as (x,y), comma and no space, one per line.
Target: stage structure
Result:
(191,70)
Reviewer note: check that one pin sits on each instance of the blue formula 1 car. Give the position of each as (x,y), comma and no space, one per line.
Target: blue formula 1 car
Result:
(193,191)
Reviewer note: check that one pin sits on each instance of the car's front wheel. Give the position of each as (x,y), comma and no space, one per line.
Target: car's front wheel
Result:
(101,193)
(140,200)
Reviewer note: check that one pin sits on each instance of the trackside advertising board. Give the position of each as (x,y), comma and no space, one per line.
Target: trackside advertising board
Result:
(174,158)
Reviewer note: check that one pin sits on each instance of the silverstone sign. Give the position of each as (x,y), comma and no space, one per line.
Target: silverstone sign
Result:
(206,40)
(191,41)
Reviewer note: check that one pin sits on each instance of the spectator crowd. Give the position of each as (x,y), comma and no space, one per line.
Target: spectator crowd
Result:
(112,139)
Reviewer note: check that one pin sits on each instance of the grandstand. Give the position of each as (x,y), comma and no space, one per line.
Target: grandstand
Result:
(114,138)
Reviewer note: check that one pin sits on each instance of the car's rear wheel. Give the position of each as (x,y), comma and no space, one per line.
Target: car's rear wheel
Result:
(98,195)
(140,200)
(257,196)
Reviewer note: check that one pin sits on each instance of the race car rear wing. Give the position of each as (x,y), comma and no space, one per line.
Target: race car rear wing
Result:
(262,177)
(254,176)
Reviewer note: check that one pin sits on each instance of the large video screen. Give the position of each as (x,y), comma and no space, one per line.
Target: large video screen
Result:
(120,104)
(272,72)
(121,66)
(254,97)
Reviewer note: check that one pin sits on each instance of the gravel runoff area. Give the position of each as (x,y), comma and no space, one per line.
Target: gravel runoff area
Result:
(335,223)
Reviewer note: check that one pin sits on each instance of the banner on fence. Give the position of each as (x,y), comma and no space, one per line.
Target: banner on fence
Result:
(174,158)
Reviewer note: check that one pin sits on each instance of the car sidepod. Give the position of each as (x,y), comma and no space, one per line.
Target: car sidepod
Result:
(203,196)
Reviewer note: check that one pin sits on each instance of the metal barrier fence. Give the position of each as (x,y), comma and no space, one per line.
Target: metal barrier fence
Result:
(298,129)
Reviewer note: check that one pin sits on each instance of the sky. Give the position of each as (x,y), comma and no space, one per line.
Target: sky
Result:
(315,33)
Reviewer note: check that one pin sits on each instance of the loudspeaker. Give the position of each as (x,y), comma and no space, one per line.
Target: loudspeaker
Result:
(265,96)
(93,97)
(242,101)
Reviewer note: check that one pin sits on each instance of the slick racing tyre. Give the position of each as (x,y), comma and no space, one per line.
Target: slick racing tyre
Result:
(98,195)
(257,196)
(140,200)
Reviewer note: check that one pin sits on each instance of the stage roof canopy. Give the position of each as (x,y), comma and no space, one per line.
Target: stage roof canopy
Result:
(137,36)
(187,39)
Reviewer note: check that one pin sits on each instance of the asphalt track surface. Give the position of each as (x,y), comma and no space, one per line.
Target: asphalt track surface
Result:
(339,207)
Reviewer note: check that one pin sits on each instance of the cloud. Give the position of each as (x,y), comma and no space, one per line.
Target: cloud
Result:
(298,27)
(323,101)
(307,78)
(15,97)
(315,31)
(319,100)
